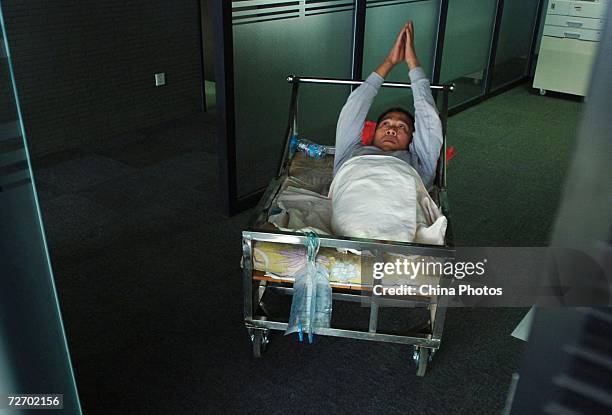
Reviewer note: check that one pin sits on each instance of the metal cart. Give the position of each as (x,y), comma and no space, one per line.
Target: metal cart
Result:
(425,341)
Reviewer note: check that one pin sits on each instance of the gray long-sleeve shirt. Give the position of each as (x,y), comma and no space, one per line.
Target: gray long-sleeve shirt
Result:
(423,151)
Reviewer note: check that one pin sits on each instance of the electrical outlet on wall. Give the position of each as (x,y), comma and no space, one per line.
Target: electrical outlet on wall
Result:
(160,79)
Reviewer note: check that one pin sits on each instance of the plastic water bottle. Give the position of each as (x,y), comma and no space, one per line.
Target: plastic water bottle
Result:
(309,148)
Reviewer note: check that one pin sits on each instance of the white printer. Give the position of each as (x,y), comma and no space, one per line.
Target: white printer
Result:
(570,39)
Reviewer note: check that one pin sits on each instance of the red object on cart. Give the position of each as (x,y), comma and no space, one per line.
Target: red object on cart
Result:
(367,135)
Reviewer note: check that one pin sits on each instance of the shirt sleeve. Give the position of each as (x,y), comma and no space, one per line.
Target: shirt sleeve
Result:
(427,138)
(352,118)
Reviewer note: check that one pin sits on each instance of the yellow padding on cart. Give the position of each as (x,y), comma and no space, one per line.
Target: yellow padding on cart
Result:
(343,267)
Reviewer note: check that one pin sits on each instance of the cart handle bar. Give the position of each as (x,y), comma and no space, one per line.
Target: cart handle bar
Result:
(333,81)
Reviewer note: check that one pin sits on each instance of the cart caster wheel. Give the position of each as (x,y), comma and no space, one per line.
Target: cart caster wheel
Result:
(421,356)
(260,341)
(542,92)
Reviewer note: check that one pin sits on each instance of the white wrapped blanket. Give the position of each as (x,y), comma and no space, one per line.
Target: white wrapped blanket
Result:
(382,197)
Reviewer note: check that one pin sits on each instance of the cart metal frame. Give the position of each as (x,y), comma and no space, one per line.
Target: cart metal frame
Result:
(258,326)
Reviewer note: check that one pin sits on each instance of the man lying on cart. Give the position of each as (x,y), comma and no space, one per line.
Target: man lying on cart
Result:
(366,176)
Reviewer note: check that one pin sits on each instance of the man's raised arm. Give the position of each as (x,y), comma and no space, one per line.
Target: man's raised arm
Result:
(352,117)
(427,138)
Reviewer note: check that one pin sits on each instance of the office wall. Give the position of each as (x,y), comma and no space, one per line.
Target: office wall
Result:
(85,70)
(514,41)
(273,40)
(208,38)
(467,44)
(536,51)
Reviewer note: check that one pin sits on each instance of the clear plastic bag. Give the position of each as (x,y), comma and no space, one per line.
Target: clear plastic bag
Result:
(311,307)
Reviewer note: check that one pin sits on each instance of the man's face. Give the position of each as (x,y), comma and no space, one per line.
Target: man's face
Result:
(394,132)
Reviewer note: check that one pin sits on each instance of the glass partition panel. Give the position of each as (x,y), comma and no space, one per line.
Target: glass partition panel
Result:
(33,352)
(383,21)
(514,42)
(541,19)
(467,41)
(271,40)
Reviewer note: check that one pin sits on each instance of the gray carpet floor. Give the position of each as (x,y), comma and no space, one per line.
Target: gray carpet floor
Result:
(147,270)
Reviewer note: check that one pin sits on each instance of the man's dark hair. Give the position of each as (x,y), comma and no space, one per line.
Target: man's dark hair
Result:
(400,110)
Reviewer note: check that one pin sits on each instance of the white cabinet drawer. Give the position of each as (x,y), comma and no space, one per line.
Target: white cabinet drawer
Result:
(572,33)
(587,9)
(575,22)
(558,7)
